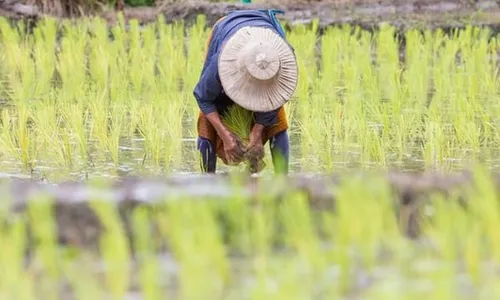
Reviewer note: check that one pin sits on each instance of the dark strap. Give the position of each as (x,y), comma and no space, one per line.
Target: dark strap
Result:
(272,13)
(276,24)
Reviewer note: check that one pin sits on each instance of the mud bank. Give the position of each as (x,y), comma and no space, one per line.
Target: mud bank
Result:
(79,226)
(367,14)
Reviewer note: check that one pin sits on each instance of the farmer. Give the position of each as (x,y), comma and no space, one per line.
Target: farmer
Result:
(248,63)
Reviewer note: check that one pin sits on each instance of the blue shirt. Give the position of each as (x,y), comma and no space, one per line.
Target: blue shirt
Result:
(209,92)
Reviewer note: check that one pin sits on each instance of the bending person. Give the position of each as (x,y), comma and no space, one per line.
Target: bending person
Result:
(248,63)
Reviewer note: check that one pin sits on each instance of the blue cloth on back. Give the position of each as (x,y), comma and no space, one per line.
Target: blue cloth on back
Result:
(209,92)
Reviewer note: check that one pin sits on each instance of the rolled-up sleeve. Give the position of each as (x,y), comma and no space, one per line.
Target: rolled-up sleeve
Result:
(267,118)
(208,87)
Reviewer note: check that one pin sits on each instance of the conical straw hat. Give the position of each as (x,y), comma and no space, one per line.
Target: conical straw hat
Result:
(258,69)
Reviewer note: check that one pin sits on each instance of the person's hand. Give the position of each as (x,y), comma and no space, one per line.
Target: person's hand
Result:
(233,148)
(255,147)
(255,152)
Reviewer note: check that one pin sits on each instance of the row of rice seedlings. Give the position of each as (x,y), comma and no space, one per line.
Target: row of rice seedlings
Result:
(438,107)
(284,249)
(161,128)
(99,83)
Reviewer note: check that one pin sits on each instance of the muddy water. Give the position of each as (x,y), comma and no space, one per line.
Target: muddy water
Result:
(134,163)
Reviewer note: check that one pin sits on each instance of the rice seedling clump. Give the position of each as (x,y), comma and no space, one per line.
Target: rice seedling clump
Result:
(239,121)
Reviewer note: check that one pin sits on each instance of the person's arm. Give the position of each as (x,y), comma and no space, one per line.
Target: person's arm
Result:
(263,120)
(206,91)
(208,87)
(221,129)
(257,132)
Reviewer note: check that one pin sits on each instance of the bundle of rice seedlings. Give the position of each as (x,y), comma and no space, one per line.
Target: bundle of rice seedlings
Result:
(239,121)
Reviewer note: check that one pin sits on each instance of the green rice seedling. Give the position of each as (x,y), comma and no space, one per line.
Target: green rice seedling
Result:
(174,127)
(114,249)
(82,279)
(239,121)
(9,147)
(52,133)
(197,37)
(100,63)
(445,230)
(71,62)
(162,129)
(6,38)
(388,64)
(66,142)
(17,136)
(136,71)
(151,132)
(43,226)
(117,119)
(194,46)
(192,227)
(415,90)
(16,283)
(237,218)
(487,211)
(262,233)
(145,251)
(99,112)
(25,136)
(77,118)
(473,255)
(171,59)
(304,42)
(301,235)
(119,87)
(44,52)
(353,232)
(150,57)
(19,67)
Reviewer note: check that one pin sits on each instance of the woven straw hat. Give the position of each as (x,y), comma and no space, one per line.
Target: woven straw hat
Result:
(258,69)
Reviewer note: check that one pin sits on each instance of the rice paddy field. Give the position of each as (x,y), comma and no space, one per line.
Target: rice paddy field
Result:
(81,101)
(123,101)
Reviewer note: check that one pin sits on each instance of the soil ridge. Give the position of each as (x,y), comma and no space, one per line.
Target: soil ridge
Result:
(366,14)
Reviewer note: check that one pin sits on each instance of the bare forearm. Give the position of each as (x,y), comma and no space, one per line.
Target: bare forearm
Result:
(257,131)
(216,121)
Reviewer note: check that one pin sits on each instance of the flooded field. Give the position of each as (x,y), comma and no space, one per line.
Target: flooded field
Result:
(83,105)
(78,104)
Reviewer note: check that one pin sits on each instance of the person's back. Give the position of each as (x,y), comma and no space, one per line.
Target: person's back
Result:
(234,21)
(259,73)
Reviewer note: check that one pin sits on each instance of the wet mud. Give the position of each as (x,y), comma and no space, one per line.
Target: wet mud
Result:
(368,14)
